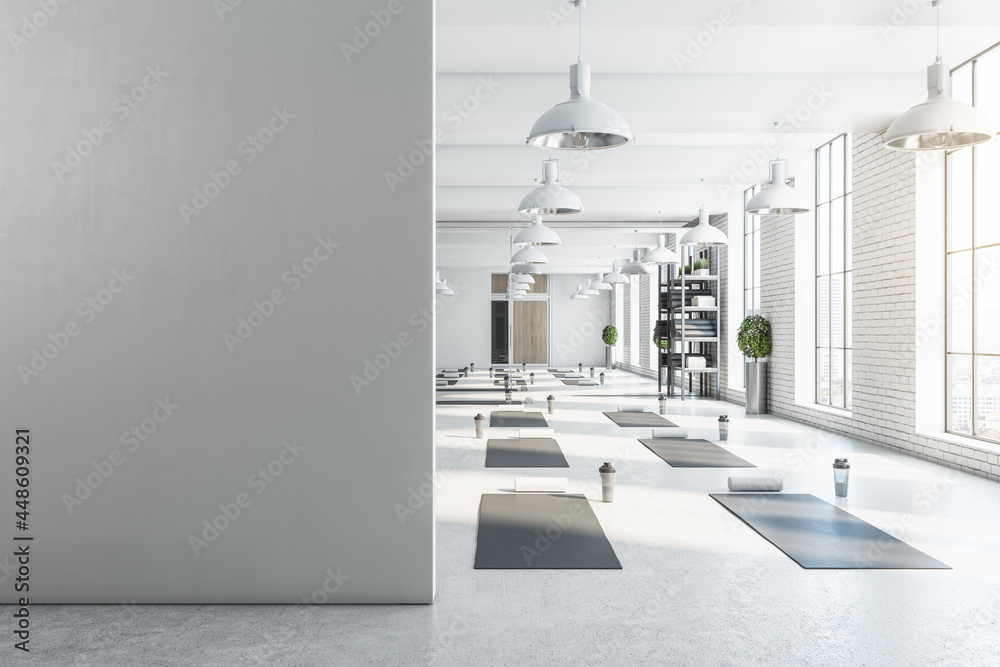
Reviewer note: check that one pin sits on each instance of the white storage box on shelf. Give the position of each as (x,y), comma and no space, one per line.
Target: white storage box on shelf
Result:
(703,301)
(695,362)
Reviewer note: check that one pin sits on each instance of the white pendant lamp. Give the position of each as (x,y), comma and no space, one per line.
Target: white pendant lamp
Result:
(550,198)
(578,294)
(704,233)
(444,289)
(532,269)
(602,284)
(940,122)
(615,277)
(529,255)
(580,123)
(522,278)
(589,290)
(661,254)
(537,234)
(635,267)
(776,198)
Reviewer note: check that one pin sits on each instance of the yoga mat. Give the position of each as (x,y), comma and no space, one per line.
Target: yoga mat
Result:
(517,420)
(448,381)
(694,453)
(524,453)
(472,402)
(638,419)
(541,531)
(473,389)
(513,382)
(818,535)
(583,382)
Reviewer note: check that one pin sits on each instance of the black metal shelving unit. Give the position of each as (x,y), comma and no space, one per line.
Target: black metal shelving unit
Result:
(689,329)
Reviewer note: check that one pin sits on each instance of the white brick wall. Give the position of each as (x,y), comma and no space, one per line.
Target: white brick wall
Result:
(884,318)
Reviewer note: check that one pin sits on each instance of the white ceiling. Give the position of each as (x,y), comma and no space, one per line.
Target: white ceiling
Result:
(859,62)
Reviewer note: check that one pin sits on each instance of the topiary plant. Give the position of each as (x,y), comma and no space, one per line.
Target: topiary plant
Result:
(609,335)
(754,337)
(662,343)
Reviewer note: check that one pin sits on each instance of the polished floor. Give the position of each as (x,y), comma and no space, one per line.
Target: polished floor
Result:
(697,586)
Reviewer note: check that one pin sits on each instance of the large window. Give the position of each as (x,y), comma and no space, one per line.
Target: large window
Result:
(972,248)
(751,254)
(833,273)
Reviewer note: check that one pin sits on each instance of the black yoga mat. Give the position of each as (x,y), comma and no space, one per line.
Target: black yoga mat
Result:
(517,419)
(529,531)
(680,453)
(512,382)
(450,381)
(470,389)
(576,382)
(638,419)
(524,453)
(818,535)
(475,402)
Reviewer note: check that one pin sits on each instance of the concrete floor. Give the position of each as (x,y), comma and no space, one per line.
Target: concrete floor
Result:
(698,587)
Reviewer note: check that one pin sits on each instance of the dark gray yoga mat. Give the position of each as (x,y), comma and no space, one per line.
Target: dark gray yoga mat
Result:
(516,419)
(513,382)
(818,535)
(524,453)
(528,531)
(639,419)
(450,381)
(473,402)
(576,382)
(694,453)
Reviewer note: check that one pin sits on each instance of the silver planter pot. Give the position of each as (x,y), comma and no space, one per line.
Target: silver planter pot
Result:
(756,374)
(609,357)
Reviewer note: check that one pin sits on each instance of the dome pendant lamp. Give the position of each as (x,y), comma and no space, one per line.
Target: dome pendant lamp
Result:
(776,198)
(537,234)
(704,233)
(635,267)
(529,255)
(661,254)
(551,198)
(615,277)
(580,124)
(940,122)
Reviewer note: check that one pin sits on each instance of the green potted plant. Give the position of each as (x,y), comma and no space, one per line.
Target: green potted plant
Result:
(754,341)
(610,337)
(700,267)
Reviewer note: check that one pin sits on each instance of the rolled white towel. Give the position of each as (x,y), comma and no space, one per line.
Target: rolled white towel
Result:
(588,381)
(536,433)
(451,376)
(756,484)
(672,432)
(442,382)
(631,408)
(573,375)
(503,407)
(540,484)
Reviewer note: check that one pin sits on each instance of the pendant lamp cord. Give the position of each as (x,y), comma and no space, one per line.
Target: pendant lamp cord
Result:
(579,32)
(937,46)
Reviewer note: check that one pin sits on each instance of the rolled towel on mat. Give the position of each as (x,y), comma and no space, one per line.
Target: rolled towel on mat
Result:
(536,433)
(670,432)
(631,408)
(451,376)
(756,484)
(540,484)
(503,407)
